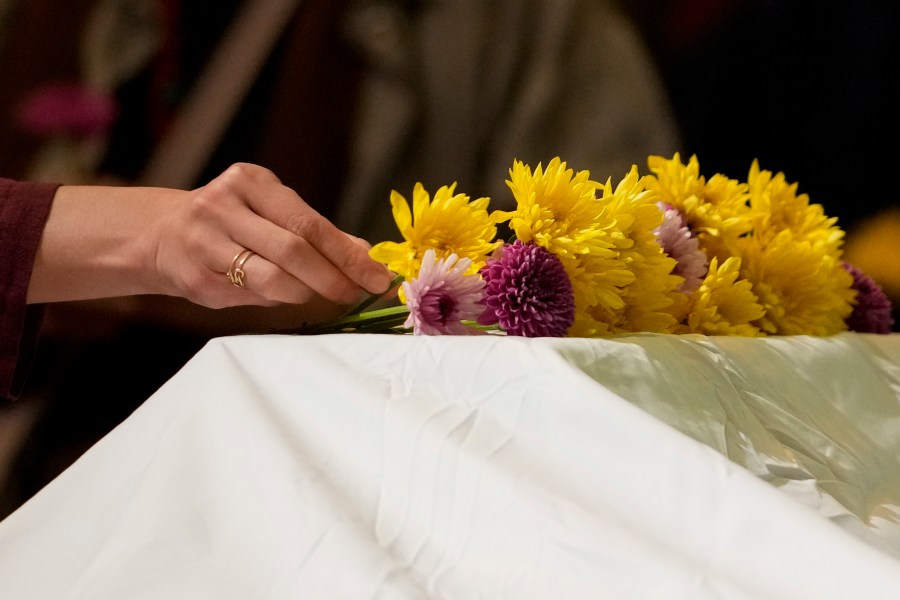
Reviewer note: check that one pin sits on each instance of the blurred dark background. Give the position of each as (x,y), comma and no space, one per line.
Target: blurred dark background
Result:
(808,88)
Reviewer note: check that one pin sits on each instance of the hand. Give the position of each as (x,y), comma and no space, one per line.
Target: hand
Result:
(102,242)
(298,254)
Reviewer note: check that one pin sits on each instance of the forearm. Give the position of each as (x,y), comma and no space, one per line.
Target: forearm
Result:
(97,243)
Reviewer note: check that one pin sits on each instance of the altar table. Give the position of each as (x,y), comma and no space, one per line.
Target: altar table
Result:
(390,466)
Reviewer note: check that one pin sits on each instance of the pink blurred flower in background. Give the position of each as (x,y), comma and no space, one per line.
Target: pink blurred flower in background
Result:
(67,109)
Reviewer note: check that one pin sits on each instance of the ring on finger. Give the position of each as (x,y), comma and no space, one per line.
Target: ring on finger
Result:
(236,273)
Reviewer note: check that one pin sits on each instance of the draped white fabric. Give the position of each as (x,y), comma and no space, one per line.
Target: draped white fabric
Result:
(380,466)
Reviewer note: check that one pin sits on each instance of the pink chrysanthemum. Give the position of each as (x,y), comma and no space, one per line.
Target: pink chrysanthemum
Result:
(678,242)
(527,292)
(873,312)
(442,296)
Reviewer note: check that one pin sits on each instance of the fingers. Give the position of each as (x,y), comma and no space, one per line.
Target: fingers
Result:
(298,253)
(220,279)
(292,235)
(266,281)
(359,242)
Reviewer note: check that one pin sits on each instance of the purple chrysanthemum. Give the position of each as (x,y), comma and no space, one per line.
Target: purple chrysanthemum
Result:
(442,296)
(873,312)
(678,242)
(528,292)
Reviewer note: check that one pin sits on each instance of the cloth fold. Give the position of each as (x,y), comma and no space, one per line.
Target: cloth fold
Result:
(356,466)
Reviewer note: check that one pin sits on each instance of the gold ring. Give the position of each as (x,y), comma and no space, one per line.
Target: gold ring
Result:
(236,273)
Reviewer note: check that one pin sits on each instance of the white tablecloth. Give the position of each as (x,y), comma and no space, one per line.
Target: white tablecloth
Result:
(379,466)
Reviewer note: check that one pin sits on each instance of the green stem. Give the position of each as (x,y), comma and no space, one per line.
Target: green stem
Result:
(357,320)
(375,297)
(373,320)
(374,315)
(476,325)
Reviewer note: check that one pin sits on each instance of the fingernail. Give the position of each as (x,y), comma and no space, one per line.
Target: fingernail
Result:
(361,242)
(379,281)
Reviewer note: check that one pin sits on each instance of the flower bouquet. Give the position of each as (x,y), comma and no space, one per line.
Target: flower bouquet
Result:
(669,251)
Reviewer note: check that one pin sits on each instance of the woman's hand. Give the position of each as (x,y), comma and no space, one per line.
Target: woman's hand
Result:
(297,253)
(102,242)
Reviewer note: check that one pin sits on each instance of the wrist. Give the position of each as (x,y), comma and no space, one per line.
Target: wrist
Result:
(99,242)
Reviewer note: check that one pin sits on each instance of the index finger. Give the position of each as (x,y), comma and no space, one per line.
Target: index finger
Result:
(268,198)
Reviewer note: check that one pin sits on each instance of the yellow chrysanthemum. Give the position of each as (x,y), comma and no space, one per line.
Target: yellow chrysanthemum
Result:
(674,181)
(775,262)
(649,296)
(717,210)
(558,209)
(586,326)
(451,223)
(724,305)
(778,207)
(804,288)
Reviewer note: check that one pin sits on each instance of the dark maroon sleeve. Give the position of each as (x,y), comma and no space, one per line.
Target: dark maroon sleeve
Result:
(23,212)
